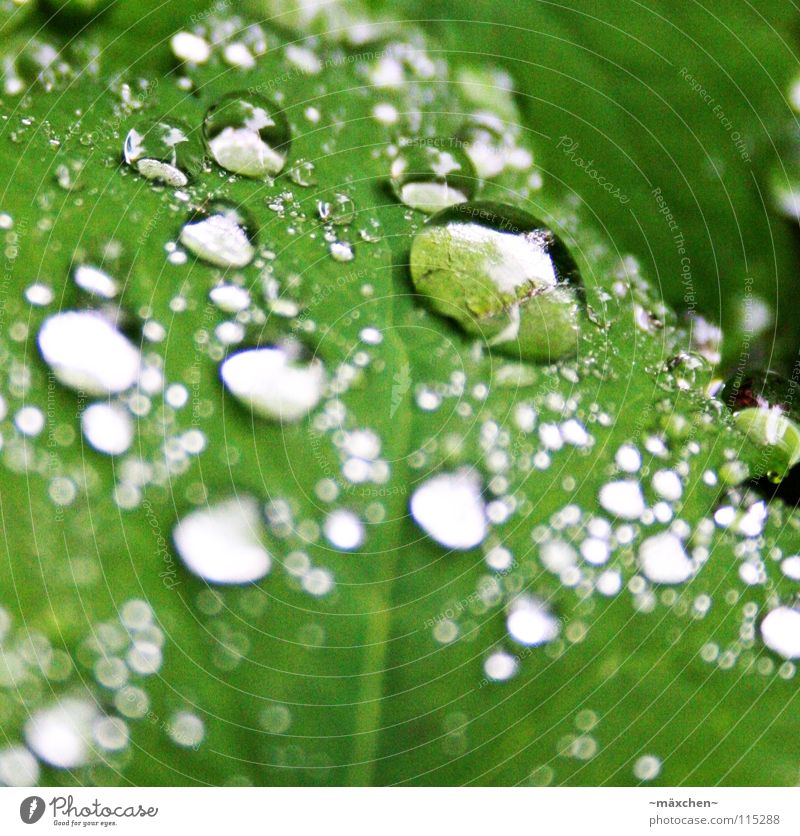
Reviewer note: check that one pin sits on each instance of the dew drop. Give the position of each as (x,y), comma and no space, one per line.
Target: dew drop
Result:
(164,151)
(338,210)
(108,428)
(221,236)
(449,508)
(18,767)
(664,560)
(530,623)
(780,631)
(623,499)
(500,274)
(344,530)
(433,174)
(500,666)
(61,734)
(95,281)
(276,382)
(87,353)
(223,543)
(247,134)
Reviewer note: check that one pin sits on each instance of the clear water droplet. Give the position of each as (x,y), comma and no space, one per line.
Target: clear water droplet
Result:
(165,151)
(433,174)
(503,275)
(247,134)
(221,235)
(338,210)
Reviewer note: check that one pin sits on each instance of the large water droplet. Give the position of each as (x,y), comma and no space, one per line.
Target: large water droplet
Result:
(433,174)
(276,382)
(763,409)
(86,352)
(247,134)
(501,274)
(220,235)
(61,734)
(224,542)
(163,150)
(449,508)
(664,560)
(780,631)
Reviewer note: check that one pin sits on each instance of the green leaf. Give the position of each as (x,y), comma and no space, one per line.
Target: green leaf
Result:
(365,663)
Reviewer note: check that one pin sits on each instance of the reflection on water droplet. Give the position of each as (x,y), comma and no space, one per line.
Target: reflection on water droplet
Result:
(164,151)
(247,134)
(86,352)
(433,174)
(780,631)
(276,382)
(449,508)
(220,235)
(503,275)
(223,543)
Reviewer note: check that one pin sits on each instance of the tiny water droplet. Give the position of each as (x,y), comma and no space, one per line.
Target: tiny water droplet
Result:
(339,210)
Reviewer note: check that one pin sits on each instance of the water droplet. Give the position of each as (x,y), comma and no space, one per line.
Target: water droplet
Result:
(623,499)
(163,151)
(762,406)
(86,352)
(342,251)
(530,623)
(500,274)
(186,729)
(433,174)
(18,767)
(190,48)
(60,734)
(220,235)
(339,210)
(780,631)
(664,560)
(276,382)
(108,428)
(647,768)
(500,666)
(247,134)
(344,530)
(223,543)
(95,281)
(450,509)
(303,173)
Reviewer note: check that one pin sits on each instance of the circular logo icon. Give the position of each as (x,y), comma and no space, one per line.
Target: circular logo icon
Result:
(31,809)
